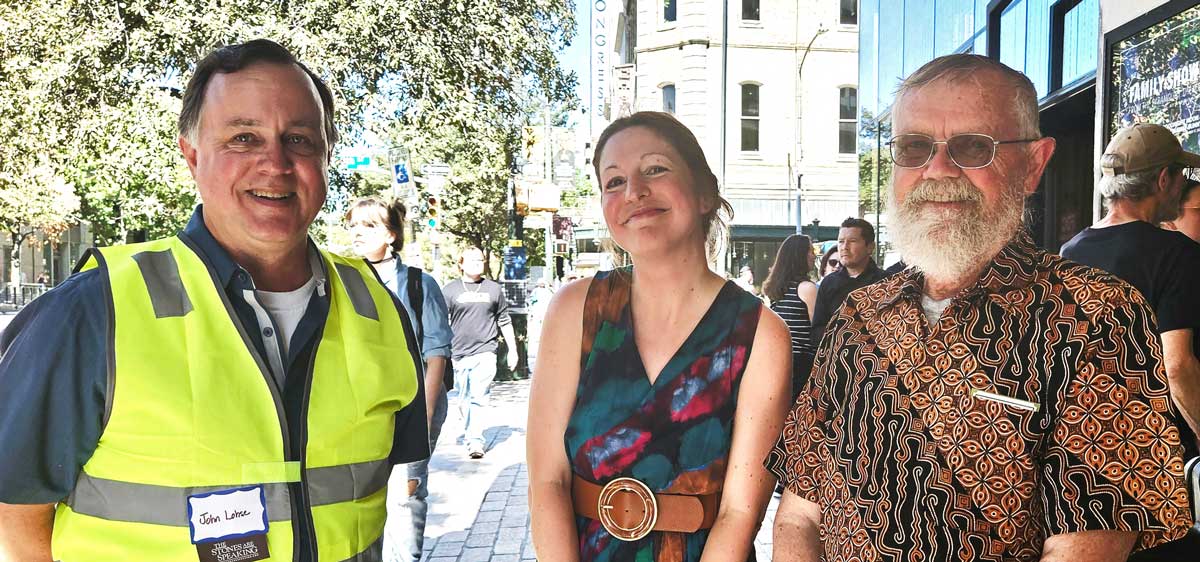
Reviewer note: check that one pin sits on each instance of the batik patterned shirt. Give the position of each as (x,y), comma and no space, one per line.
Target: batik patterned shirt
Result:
(1036,405)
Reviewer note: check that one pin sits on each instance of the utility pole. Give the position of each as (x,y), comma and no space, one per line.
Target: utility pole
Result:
(723,250)
(800,127)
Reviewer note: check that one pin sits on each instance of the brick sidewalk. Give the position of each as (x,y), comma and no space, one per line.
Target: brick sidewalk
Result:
(479,509)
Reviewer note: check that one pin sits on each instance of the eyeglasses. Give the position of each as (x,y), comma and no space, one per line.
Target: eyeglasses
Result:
(969,151)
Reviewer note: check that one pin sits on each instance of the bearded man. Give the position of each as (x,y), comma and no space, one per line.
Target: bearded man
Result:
(993,401)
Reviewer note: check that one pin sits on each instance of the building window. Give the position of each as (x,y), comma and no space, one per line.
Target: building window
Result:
(668,10)
(750,117)
(750,10)
(668,93)
(847,120)
(849,12)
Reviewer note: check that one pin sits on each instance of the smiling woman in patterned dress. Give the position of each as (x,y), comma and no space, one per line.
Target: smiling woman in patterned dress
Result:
(665,383)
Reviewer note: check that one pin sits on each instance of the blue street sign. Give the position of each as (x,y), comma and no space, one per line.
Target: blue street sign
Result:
(401,173)
(358,162)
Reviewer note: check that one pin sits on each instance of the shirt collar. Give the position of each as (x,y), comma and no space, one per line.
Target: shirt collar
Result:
(1012,269)
(222,263)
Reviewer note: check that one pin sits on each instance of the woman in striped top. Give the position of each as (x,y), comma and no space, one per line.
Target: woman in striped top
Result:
(792,295)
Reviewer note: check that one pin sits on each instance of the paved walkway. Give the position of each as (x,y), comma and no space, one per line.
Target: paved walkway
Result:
(479,510)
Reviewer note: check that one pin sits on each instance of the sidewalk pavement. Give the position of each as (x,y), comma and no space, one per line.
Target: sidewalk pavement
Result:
(479,509)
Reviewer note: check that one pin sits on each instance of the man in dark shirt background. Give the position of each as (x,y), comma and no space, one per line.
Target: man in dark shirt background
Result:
(856,243)
(478,313)
(1142,183)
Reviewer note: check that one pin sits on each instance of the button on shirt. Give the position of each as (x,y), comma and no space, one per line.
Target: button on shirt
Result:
(53,373)
(1036,405)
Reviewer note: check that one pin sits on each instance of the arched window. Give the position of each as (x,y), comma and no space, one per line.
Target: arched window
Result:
(750,117)
(668,98)
(847,120)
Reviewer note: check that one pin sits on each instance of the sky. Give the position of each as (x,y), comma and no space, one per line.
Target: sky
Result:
(576,56)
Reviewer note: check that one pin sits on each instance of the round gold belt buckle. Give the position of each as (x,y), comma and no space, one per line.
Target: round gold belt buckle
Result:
(605,508)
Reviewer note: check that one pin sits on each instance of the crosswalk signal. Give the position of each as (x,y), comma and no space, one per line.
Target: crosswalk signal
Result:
(431,211)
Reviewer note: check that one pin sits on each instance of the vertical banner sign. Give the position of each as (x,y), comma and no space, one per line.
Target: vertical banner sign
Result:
(599,66)
(1156,78)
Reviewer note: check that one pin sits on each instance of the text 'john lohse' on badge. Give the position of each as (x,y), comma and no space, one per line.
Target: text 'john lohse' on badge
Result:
(229,525)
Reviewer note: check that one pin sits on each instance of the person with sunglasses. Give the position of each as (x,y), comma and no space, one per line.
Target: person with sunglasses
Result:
(829,264)
(983,403)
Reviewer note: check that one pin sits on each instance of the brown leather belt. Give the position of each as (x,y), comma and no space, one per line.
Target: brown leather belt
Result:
(629,510)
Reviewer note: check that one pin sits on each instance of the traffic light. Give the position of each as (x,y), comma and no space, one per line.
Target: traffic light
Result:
(431,211)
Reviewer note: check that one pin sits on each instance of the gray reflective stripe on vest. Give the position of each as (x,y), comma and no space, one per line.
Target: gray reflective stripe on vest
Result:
(157,505)
(161,274)
(336,484)
(373,553)
(356,288)
(167,505)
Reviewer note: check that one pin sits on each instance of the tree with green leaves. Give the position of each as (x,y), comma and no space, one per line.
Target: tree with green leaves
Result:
(87,89)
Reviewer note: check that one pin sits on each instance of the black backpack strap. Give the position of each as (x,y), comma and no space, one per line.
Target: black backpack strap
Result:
(416,299)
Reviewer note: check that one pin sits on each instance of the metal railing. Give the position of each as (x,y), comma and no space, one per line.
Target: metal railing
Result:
(516,292)
(22,294)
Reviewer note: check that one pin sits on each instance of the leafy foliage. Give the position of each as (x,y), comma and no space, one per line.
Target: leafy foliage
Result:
(873,164)
(86,94)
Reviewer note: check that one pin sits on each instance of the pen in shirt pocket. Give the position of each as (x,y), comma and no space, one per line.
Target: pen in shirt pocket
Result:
(1014,402)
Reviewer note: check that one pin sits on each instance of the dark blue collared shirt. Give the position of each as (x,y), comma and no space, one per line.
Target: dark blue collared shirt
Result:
(53,379)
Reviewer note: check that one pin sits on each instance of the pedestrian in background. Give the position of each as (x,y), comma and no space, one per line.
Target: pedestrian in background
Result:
(478,315)
(1142,183)
(745,280)
(829,264)
(667,405)
(792,295)
(992,401)
(231,389)
(856,245)
(377,234)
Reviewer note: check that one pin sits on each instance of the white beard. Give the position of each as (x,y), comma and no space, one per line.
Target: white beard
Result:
(950,245)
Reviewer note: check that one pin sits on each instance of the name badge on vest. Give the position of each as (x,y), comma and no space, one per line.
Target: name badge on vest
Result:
(229,525)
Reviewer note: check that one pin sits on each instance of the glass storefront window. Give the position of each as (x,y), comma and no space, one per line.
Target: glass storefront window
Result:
(954,24)
(1037,46)
(981,19)
(1080,40)
(1012,35)
(891,58)
(918,33)
(867,49)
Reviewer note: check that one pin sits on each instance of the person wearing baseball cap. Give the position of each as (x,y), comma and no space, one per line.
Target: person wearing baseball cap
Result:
(1142,179)
(1144,148)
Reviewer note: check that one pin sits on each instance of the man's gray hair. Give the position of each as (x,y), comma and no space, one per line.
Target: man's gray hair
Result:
(1133,186)
(960,67)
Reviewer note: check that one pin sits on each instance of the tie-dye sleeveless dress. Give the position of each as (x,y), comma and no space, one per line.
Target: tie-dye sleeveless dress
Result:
(673,435)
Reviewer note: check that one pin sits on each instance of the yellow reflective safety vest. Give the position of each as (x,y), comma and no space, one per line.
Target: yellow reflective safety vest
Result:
(192,408)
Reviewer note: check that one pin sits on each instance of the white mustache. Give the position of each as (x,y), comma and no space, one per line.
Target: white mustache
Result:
(943,191)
